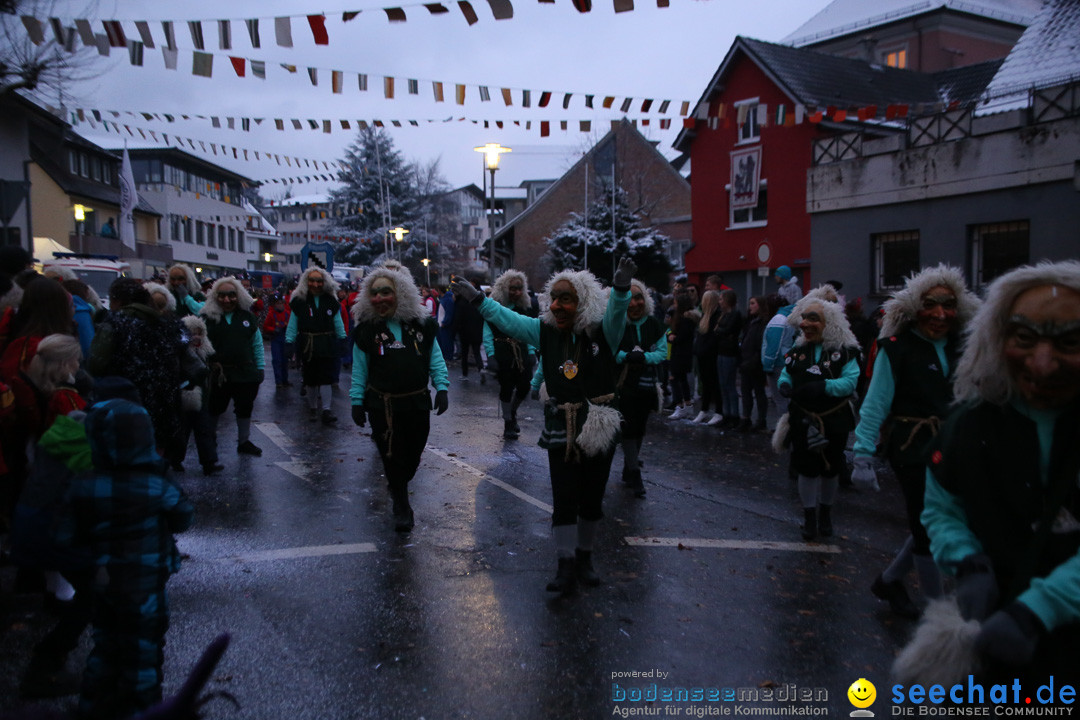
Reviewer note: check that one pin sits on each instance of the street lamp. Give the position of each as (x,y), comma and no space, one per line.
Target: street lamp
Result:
(492,151)
(80,219)
(399,234)
(427,269)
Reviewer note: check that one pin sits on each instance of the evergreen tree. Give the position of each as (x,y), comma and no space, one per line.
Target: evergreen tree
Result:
(647,248)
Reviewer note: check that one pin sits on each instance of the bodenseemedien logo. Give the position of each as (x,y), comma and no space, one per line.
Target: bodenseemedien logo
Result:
(862,694)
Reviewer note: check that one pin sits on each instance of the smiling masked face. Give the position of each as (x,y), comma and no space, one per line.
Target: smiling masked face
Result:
(564,305)
(937,313)
(227,297)
(636,310)
(812,323)
(383,297)
(1042,346)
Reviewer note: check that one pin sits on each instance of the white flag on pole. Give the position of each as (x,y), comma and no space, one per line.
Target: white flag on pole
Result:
(128,200)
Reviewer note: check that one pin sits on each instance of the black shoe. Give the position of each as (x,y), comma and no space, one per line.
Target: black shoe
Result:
(896,595)
(825,520)
(248,448)
(404,521)
(565,581)
(585,572)
(509,433)
(328,418)
(809,528)
(632,479)
(483,378)
(212,469)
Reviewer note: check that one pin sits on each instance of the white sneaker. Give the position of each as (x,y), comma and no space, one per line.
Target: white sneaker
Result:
(678,413)
(715,420)
(701,417)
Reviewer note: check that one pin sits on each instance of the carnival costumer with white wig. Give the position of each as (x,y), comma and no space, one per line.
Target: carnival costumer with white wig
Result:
(1002,504)
(186,290)
(577,336)
(394,356)
(237,365)
(511,359)
(314,332)
(909,394)
(819,376)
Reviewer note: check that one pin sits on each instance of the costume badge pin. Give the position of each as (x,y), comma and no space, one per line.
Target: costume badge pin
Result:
(814,370)
(419,337)
(595,349)
(246,323)
(835,356)
(637,348)
(397,345)
(569,369)
(787,360)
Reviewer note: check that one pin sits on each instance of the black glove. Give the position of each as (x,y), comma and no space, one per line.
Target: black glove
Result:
(181,291)
(260,376)
(813,390)
(635,357)
(442,402)
(624,273)
(1010,635)
(785,390)
(358,415)
(976,587)
(535,394)
(492,364)
(465,290)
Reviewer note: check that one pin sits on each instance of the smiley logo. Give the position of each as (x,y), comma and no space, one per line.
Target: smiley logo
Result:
(862,694)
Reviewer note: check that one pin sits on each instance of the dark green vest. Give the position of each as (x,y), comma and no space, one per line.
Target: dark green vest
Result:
(233,349)
(315,326)
(836,413)
(640,376)
(509,352)
(397,366)
(922,391)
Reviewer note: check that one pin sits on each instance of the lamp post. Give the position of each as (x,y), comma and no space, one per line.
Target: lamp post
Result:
(492,151)
(399,234)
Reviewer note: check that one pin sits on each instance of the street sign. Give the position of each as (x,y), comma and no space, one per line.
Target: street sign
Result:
(322,254)
(764,252)
(763,271)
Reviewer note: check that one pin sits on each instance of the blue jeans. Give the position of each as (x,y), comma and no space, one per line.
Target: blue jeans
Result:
(278,359)
(726,365)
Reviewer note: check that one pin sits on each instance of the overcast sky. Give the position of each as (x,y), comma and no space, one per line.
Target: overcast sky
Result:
(650,52)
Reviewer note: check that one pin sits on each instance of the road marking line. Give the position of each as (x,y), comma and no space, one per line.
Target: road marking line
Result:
(276,435)
(301,552)
(298,469)
(491,479)
(730,544)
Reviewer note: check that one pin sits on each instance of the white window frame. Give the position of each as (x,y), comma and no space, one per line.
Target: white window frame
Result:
(750,131)
(903,48)
(763,186)
(879,241)
(977,247)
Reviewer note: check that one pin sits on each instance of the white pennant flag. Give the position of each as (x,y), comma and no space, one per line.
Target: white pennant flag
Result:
(128,200)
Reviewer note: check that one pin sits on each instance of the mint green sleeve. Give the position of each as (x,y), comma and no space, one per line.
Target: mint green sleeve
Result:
(359,376)
(538,377)
(489,340)
(440,378)
(518,326)
(1056,597)
(845,384)
(951,540)
(658,353)
(785,378)
(615,317)
(339,325)
(193,305)
(291,330)
(258,350)
(876,406)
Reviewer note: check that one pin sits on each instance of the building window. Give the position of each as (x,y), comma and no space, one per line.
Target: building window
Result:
(240,241)
(896,255)
(896,58)
(232,238)
(221,236)
(749,122)
(187,230)
(751,217)
(996,248)
(200,238)
(174,228)
(73,162)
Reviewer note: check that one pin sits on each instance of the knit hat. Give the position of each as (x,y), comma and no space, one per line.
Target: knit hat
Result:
(783,272)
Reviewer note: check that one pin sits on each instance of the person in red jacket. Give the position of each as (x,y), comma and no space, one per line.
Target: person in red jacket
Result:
(277,319)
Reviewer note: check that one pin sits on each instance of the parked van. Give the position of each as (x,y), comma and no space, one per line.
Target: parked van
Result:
(97,271)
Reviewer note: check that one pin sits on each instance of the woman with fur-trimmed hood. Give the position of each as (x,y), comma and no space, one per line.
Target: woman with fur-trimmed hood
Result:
(394,356)
(1002,502)
(237,365)
(186,290)
(820,373)
(512,360)
(909,396)
(643,348)
(577,334)
(315,332)
(195,398)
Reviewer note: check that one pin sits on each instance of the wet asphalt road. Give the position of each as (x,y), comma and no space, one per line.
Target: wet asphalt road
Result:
(334,615)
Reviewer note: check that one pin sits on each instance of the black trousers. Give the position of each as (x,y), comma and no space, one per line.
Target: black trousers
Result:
(577,488)
(400,453)
(511,381)
(242,395)
(912,480)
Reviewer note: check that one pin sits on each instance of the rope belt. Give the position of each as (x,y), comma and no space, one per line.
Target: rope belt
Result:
(573,454)
(818,420)
(308,350)
(515,348)
(933,422)
(389,413)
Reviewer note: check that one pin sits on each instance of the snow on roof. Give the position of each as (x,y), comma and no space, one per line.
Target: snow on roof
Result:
(1048,53)
(842,17)
(315,199)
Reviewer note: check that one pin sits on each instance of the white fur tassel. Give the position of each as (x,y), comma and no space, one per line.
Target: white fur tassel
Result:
(942,650)
(191,400)
(544,397)
(598,433)
(659,397)
(779,436)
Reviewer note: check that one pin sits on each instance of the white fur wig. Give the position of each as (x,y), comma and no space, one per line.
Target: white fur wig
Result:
(903,307)
(196,326)
(193,284)
(942,650)
(330,286)
(837,333)
(650,304)
(981,373)
(213,310)
(409,306)
(592,299)
(824,291)
(59,271)
(170,299)
(500,291)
